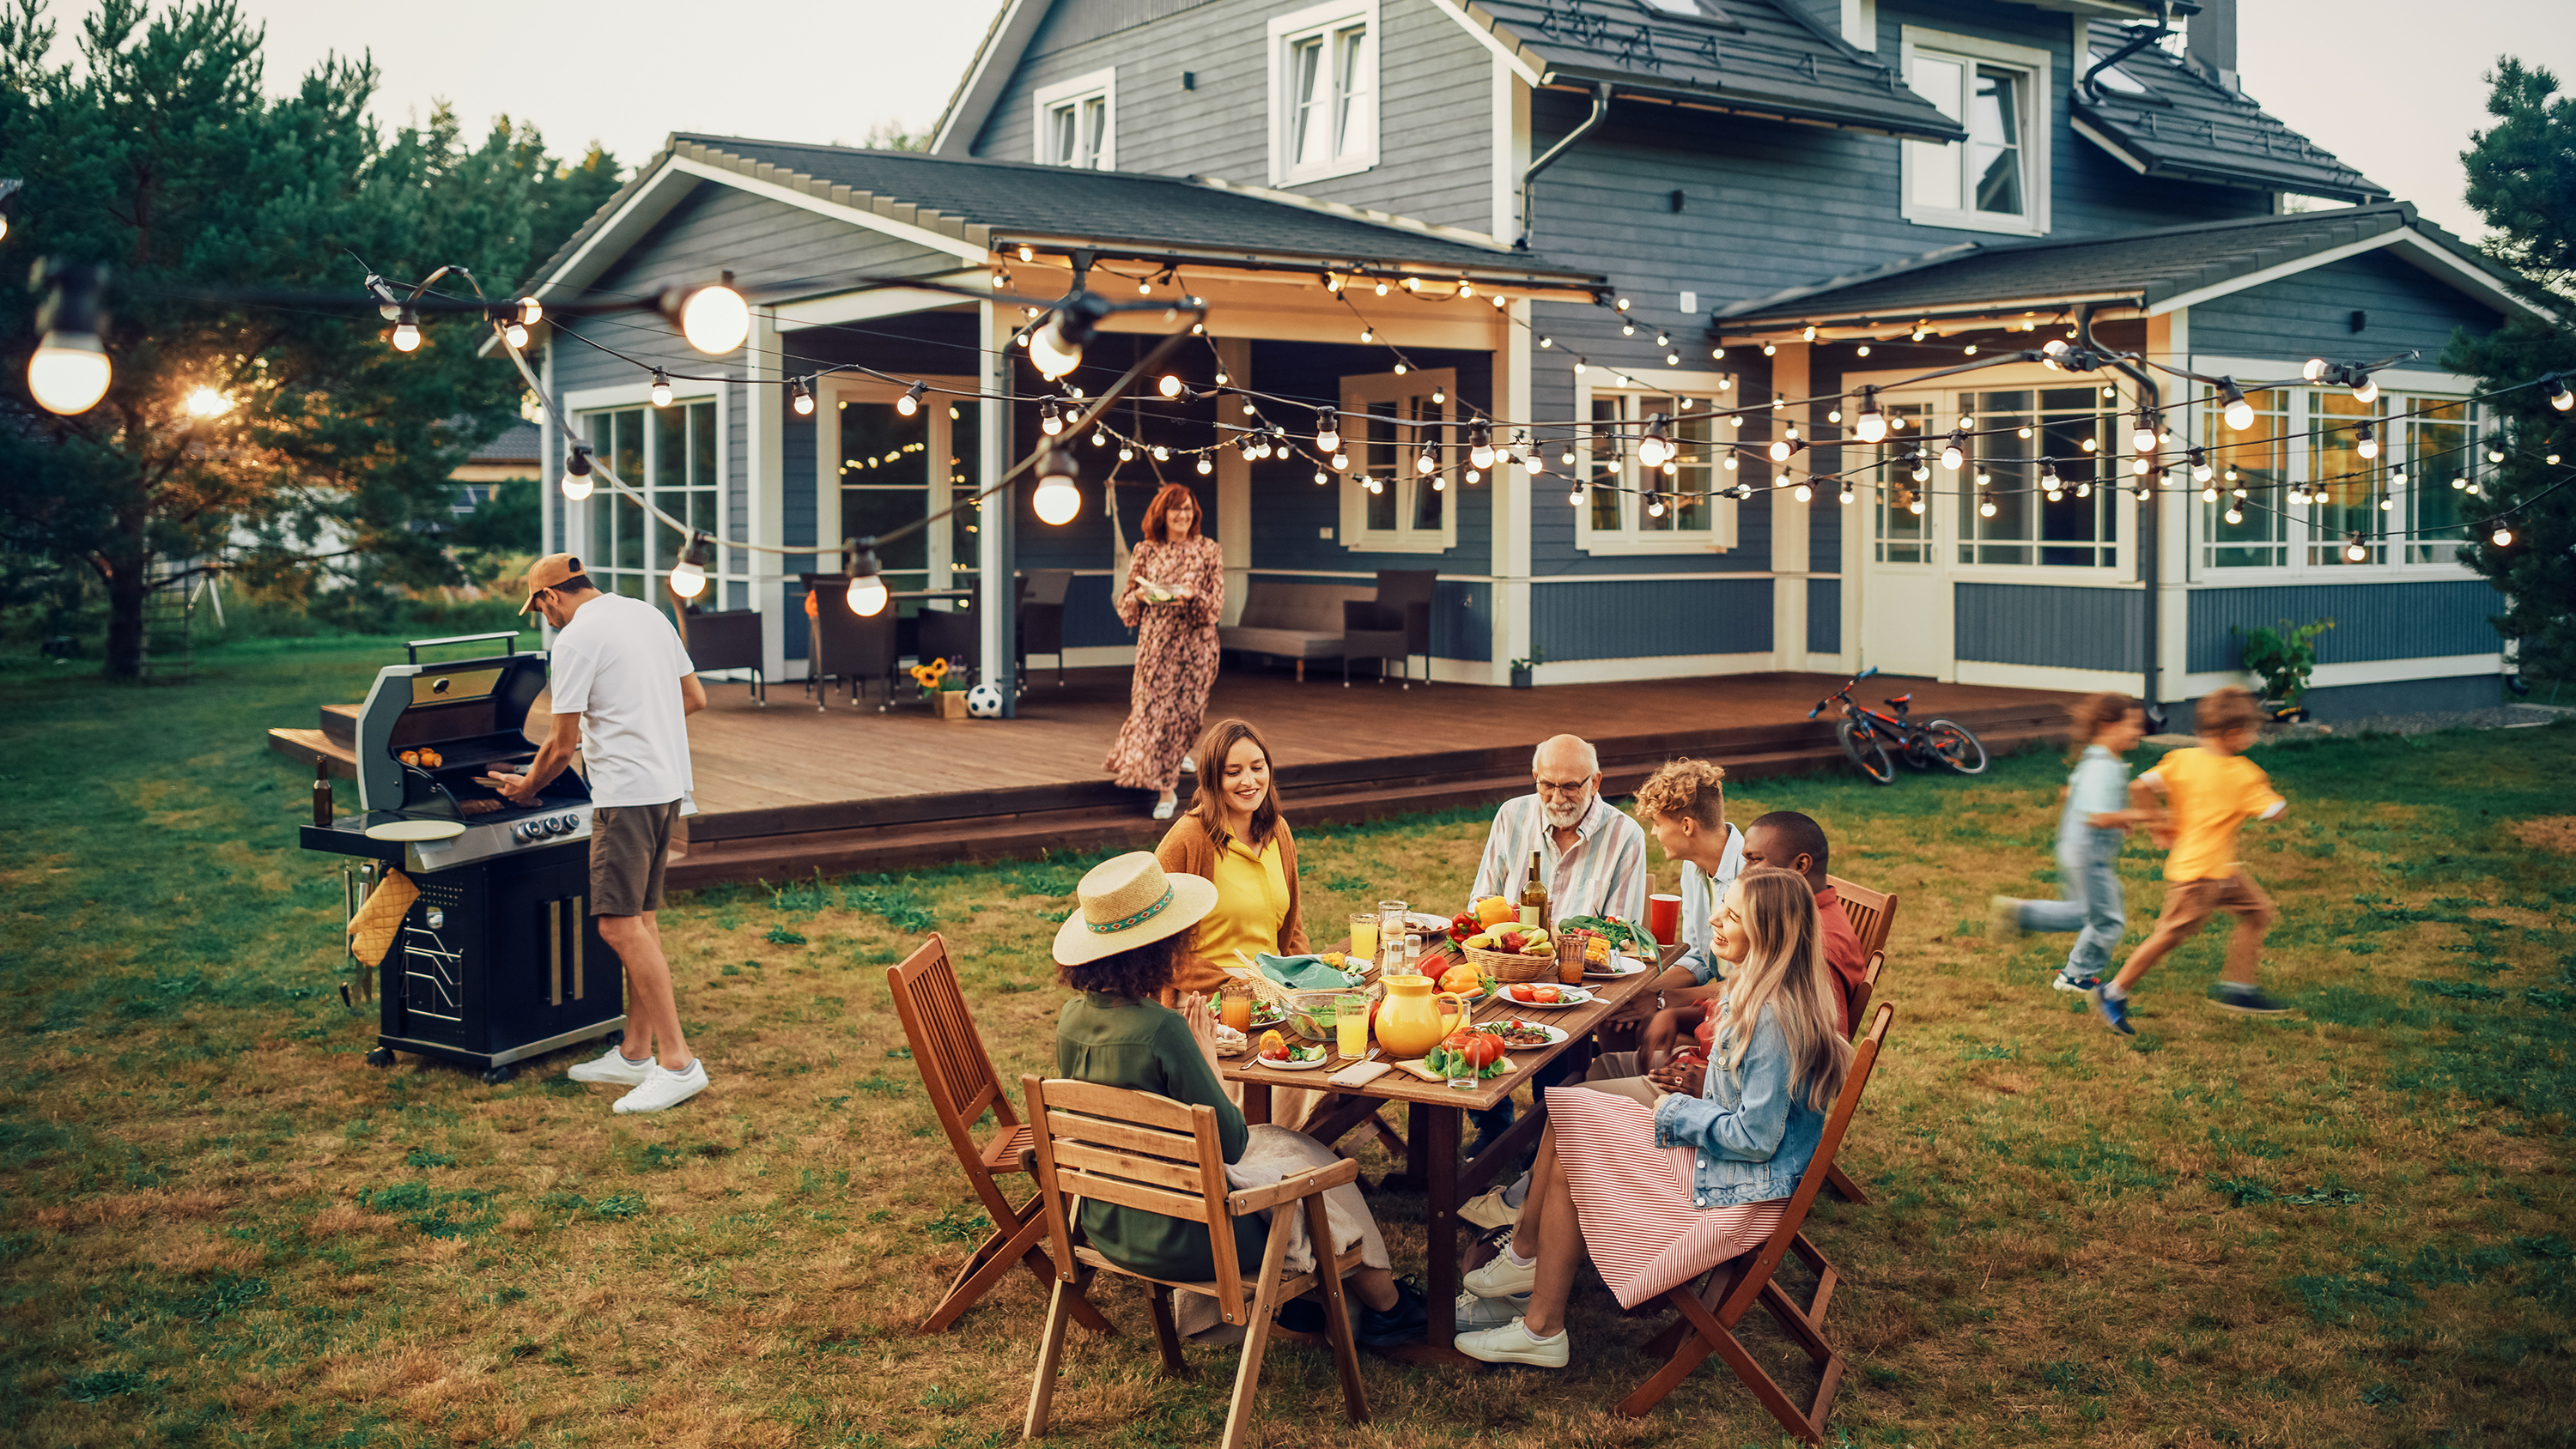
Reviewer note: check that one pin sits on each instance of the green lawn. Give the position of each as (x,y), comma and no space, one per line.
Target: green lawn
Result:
(217,1225)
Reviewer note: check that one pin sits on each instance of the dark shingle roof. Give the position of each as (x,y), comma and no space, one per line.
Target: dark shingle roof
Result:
(2182,125)
(2139,268)
(518,443)
(1754,57)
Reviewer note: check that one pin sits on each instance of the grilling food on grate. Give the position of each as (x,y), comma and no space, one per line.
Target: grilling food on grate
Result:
(410,757)
(479,807)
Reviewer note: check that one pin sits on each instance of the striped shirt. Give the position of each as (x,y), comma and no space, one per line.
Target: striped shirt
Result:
(1603,874)
(1700,894)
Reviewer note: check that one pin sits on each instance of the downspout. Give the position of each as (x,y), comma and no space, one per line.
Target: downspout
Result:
(2150,524)
(2139,42)
(1600,112)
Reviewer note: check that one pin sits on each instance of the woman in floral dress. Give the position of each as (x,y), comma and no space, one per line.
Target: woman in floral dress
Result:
(1174,596)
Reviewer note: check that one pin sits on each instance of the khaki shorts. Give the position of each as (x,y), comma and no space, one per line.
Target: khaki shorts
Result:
(628,847)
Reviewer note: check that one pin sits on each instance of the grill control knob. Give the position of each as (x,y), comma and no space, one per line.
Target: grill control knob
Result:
(560,825)
(519,832)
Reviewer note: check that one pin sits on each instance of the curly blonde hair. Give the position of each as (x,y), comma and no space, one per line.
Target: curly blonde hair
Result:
(1685,790)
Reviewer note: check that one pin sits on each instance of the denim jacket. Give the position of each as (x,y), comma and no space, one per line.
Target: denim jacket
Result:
(1752,1132)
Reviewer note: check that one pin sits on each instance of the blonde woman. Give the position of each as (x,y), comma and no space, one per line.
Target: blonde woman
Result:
(1656,1193)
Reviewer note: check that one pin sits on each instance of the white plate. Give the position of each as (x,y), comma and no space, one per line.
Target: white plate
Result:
(1428,923)
(1555,1034)
(415,830)
(1292,1065)
(1579,997)
(1620,965)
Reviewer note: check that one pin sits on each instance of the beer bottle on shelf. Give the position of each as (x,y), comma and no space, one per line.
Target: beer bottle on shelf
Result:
(1534,894)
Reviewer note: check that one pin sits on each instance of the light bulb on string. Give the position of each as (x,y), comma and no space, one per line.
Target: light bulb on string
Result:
(2200,470)
(514,334)
(2387,504)
(2238,411)
(2139,466)
(1206,465)
(1400,368)
(1656,446)
(1845,497)
(407,331)
(2502,537)
(531,311)
(1480,448)
(1427,462)
(2561,396)
(910,402)
(800,397)
(1055,348)
(69,371)
(689,575)
(2356,551)
(1322,477)
(576,474)
(1050,420)
(1162,454)
(2365,389)
(714,319)
(1341,461)
(1170,386)
(1955,450)
(2022,432)
(2314,369)
(1126,454)
(1654,505)
(2092,445)
(660,391)
(1803,493)
(1100,439)
(1547,342)
(2495,452)
(2364,441)
(1574,496)
(1985,503)
(2143,438)
(1381,286)
(1770,349)
(2234,514)
(2084,488)
(1872,426)
(1057,499)
(1439,395)
(866,591)
(1861,351)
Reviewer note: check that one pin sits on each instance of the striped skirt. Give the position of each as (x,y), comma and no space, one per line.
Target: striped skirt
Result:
(1633,1199)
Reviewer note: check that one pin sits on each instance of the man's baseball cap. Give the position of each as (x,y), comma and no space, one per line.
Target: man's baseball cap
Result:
(548,573)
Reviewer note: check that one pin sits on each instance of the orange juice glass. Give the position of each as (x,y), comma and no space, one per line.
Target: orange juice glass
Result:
(1234,1008)
(1363,936)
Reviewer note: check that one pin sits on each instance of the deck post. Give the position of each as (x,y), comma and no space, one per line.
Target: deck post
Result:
(762,411)
(1511,500)
(997,586)
(1789,378)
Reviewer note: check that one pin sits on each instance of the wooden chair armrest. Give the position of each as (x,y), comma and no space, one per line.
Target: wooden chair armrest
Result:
(1305,1184)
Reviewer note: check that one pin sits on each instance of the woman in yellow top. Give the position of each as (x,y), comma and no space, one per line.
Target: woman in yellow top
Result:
(1233,835)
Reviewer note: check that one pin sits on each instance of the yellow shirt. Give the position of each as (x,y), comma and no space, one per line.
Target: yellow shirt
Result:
(2209,795)
(1251,903)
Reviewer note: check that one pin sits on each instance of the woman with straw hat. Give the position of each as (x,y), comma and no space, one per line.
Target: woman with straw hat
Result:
(1119,949)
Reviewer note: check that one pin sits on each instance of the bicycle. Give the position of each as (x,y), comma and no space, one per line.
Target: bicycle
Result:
(1867,736)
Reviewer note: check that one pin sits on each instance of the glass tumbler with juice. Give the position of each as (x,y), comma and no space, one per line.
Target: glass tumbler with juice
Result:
(1351,1026)
(1234,1007)
(1363,936)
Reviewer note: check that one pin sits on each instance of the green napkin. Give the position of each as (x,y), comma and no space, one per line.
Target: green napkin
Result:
(1302,973)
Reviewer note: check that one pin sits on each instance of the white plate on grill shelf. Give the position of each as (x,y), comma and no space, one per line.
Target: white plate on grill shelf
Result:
(416,830)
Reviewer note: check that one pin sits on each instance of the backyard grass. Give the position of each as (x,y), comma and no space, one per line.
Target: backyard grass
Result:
(219,1226)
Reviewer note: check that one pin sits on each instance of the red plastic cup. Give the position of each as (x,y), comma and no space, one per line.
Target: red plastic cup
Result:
(1664,918)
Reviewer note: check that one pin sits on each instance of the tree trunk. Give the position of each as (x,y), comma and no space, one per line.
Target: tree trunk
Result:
(127,588)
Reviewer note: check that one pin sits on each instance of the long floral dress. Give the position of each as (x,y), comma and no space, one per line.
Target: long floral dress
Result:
(1175,660)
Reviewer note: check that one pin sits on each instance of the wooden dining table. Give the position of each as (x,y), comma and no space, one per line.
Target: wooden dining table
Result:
(1436,1115)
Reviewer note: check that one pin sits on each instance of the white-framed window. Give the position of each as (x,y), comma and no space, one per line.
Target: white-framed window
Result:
(672,453)
(2028,494)
(1997,179)
(2294,488)
(1323,92)
(890,469)
(1679,507)
(1077,122)
(1389,505)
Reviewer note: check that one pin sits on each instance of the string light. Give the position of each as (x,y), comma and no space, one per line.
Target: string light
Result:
(69,370)
(1056,346)
(1955,451)
(1170,385)
(1846,495)
(910,402)
(2143,438)
(2364,441)
(2365,388)
(1654,505)
(407,331)
(661,390)
(2502,537)
(800,397)
(1985,503)
(866,592)
(2314,369)
(1656,448)
(1872,426)
(1328,430)
(1803,493)
(531,311)
(2561,396)
(1574,496)
(514,334)
(715,319)
(1427,462)
(576,474)
(2238,411)
(2356,551)
(1207,465)
(689,575)
(1480,448)
(1050,421)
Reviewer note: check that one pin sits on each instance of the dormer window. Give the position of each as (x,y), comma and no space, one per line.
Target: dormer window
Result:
(1077,122)
(1323,92)
(1997,179)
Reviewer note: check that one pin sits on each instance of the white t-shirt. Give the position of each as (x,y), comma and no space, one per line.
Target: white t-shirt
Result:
(618,665)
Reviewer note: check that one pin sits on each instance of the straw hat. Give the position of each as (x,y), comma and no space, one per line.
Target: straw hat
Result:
(1127,901)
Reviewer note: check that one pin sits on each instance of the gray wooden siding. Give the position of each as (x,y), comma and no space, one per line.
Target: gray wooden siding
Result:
(1434,88)
(2372,621)
(1824,616)
(2309,315)
(1653,618)
(2050,625)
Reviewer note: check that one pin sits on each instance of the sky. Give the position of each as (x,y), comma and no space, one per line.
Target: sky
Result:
(2391,86)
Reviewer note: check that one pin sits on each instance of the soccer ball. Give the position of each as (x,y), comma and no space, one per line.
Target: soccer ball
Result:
(984,702)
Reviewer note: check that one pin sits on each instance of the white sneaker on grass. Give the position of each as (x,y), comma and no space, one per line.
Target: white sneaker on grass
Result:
(666,1088)
(612,1066)
(1474,1312)
(1512,1343)
(1501,1278)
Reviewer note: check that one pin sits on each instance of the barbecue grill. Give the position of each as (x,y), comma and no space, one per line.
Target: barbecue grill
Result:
(498,960)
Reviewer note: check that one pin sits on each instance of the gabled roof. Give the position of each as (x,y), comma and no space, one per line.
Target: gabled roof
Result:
(2150,271)
(1763,58)
(517,443)
(2177,123)
(971,209)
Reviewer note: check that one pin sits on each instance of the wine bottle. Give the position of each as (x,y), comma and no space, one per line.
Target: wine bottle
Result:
(1534,895)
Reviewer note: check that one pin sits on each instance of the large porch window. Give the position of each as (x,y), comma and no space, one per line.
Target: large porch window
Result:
(2294,488)
(1389,505)
(897,469)
(2028,492)
(670,453)
(1631,508)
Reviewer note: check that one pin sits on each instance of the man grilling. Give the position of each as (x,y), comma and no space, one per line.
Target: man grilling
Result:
(624,688)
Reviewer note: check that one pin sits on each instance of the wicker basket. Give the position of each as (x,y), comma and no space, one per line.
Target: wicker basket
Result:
(1301,1006)
(1507,967)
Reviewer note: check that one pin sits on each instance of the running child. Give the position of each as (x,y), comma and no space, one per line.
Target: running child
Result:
(2090,833)
(2207,791)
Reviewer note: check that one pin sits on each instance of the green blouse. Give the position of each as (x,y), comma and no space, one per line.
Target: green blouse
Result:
(1118,1041)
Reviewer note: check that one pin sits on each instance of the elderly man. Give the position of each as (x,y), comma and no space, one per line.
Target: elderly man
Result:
(1594,856)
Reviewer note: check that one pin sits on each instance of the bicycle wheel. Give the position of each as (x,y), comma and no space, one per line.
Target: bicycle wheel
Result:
(1956,746)
(1865,750)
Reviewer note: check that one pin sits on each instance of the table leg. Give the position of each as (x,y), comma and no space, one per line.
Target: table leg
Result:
(1256,1104)
(1416,1175)
(1434,1139)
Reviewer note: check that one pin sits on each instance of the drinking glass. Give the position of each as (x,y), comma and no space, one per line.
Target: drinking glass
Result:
(1363,935)
(1234,1007)
(1351,1026)
(1462,1077)
(1391,932)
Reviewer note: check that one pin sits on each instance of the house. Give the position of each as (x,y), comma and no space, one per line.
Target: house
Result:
(516,452)
(1733,224)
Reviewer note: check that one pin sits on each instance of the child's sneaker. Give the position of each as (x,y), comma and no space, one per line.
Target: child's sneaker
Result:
(2115,1011)
(2083,985)
(2003,919)
(2228,996)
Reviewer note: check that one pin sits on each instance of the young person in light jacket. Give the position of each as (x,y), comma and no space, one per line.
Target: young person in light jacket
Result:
(1657,1194)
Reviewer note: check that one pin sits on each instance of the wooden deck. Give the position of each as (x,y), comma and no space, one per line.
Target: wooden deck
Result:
(785,789)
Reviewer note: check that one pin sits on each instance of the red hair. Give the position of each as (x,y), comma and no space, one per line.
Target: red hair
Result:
(1157,528)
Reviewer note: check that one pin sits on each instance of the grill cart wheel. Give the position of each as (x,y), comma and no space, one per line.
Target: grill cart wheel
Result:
(497,1075)
(380,1057)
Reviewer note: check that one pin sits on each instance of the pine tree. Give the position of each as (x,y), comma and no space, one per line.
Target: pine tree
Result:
(155,153)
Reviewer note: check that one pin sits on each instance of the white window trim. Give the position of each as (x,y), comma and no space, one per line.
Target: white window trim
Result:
(2038,135)
(1102,83)
(830,477)
(730,565)
(1751,468)
(1358,391)
(1299,25)
(1942,534)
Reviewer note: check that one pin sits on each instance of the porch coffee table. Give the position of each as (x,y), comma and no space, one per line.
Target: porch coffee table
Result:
(1435,1117)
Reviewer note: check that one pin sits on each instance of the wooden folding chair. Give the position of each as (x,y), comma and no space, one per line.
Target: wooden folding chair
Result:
(1141,1150)
(1870,912)
(958,1074)
(1710,1315)
(1869,983)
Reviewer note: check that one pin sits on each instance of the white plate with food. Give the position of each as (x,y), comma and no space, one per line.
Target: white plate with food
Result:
(1423,923)
(1229,1042)
(1301,1058)
(1617,967)
(1265,1016)
(1545,995)
(1519,1035)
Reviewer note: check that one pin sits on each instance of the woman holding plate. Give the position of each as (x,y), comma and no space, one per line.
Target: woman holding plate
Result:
(1175,593)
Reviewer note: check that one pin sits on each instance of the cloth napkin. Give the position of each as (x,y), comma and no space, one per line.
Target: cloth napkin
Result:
(1302,973)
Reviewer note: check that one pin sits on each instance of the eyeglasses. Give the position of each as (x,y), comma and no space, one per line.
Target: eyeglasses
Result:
(1563,787)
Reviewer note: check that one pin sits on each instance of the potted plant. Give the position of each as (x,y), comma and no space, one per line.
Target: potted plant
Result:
(1523,668)
(944,688)
(2283,659)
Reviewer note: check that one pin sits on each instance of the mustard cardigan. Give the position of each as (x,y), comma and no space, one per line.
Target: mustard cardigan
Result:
(1188,848)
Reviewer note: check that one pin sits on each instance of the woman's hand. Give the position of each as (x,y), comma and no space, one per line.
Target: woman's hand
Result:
(1664,1028)
(1684,1078)
(1200,1018)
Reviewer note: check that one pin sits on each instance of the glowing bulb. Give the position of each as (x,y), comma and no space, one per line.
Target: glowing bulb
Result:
(2235,514)
(2366,390)
(407,332)
(800,397)
(1328,431)
(2238,411)
(1206,465)
(2314,369)
(1872,427)
(2502,537)
(576,474)
(514,334)
(910,402)
(1803,493)
(1986,506)
(1845,497)
(867,595)
(2356,551)
(2561,396)
(688,576)
(205,402)
(531,312)
(1057,500)
(2144,439)
(715,319)
(661,390)
(1170,386)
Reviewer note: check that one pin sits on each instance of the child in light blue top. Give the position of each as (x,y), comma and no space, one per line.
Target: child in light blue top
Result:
(2090,834)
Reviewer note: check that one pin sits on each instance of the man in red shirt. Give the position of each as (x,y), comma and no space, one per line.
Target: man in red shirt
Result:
(1790,841)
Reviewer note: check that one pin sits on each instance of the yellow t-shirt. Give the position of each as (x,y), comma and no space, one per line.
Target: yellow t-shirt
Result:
(2209,795)
(1251,903)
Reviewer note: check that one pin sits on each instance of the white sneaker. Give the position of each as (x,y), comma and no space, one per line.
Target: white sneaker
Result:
(612,1065)
(1499,1279)
(1474,1312)
(1189,766)
(1489,1210)
(666,1088)
(1511,1343)
(1163,809)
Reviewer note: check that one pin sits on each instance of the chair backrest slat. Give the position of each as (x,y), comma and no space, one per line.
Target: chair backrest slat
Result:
(1119,1104)
(1871,913)
(1812,1181)
(1868,985)
(1138,1150)
(946,1047)
(1181,1177)
(1124,1136)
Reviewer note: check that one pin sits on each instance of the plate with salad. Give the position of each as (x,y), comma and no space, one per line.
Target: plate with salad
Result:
(1518,1034)
(1281,1055)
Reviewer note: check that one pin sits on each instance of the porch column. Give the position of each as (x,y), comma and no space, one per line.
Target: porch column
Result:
(1510,484)
(2169,335)
(552,525)
(768,485)
(1234,487)
(1789,519)
(997,589)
